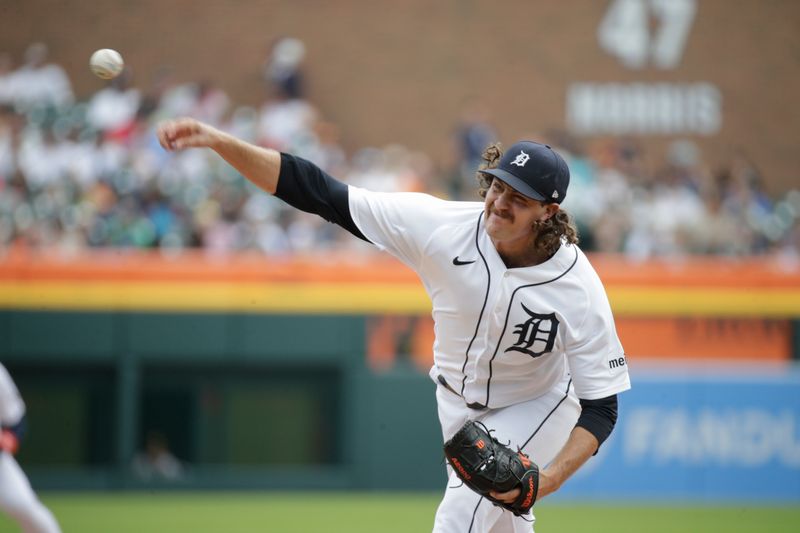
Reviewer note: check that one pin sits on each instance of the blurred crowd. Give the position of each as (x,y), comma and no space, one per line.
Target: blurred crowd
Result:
(78,174)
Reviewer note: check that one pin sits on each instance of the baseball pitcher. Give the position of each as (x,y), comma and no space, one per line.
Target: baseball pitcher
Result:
(527,362)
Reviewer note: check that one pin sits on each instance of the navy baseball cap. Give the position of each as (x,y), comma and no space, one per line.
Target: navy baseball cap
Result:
(535,170)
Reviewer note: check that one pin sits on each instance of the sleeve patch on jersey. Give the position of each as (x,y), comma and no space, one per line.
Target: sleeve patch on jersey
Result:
(616,362)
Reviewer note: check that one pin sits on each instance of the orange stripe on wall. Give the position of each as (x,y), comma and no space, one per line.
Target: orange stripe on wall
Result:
(194,266)
(697,339)
(126,265)
(706,338)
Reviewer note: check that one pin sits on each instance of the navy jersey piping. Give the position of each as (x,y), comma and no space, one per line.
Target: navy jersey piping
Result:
(485,300)
(474,512)
(508,312)
(553,410)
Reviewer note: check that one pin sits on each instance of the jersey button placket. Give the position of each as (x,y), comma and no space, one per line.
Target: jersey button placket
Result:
(495,322)
(478,367)
(500,304)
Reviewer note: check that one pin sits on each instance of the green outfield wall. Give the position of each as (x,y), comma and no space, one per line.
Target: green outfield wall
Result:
(243,400)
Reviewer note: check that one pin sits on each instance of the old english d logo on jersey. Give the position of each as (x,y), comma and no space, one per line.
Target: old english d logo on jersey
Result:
(535,336)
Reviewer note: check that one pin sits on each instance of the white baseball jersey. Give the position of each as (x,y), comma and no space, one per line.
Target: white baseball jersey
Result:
(503,335)
(12,408)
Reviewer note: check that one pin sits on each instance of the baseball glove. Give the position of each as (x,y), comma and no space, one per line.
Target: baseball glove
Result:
(484,465)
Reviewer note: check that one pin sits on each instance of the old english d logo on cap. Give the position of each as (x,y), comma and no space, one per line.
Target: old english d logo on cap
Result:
(521,159)
(535,170)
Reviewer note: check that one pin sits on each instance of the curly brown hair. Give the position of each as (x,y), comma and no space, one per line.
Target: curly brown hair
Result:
(550,233)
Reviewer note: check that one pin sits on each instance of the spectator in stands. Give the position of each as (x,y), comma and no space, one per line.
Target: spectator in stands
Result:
(283,69)
(113,108)
(474,132)
(38,83)
(156,462)
(7,89)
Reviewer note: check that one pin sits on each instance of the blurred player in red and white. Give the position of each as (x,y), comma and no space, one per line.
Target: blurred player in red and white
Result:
(17,498)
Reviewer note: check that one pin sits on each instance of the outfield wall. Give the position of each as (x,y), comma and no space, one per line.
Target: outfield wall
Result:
(310,373)
(701,434)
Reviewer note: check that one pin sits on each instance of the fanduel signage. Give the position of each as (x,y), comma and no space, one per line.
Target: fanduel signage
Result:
(700,432)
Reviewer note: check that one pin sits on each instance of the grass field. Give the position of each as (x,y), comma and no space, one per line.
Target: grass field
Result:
(313,512)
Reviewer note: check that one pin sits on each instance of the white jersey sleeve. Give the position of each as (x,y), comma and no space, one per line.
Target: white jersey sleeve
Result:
(594,352)
(402,223)
(12,407)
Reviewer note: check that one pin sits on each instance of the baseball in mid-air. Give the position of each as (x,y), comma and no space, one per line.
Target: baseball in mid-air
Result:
(106,63)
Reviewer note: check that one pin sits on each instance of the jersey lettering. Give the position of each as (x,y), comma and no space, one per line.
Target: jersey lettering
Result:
(616,363)
(539,330)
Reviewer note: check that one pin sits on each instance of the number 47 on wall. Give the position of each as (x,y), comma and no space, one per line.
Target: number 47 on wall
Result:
(626,31)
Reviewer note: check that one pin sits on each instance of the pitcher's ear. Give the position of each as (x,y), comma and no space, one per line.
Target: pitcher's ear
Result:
(550,212)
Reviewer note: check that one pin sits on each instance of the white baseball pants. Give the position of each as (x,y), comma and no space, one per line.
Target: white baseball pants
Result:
(540,427)
(18,500)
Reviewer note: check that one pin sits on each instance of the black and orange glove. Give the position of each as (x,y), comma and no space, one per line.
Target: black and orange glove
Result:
(484,465)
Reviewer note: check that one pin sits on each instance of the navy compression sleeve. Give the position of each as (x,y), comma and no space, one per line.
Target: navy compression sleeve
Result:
(598,417)
(307,187)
